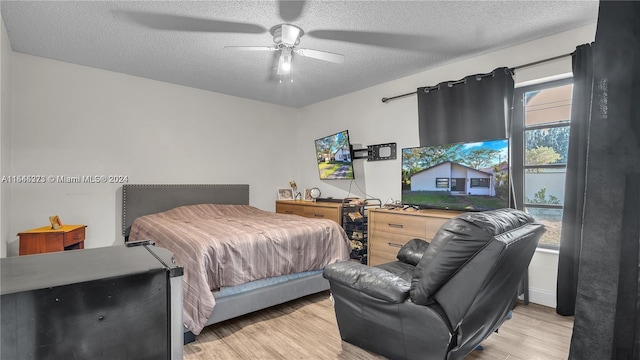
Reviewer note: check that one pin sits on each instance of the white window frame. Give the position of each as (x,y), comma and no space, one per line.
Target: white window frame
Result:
(518,139)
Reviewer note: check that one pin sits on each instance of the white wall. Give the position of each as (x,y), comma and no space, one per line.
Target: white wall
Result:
(5,136)
(74,120)
(370,122)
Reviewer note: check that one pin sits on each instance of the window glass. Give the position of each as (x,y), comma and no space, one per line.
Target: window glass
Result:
(546,146)
(479,182)
(552,220)
(442,183)
(542,139)
(548,105)
(544,186)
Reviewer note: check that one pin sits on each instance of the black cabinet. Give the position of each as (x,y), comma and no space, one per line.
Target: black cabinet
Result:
(108,303)
(354,222)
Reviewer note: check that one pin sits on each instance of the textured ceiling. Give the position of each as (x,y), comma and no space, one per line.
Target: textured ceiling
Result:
(183,42)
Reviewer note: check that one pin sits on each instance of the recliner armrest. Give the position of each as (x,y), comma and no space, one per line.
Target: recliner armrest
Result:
(412,251)
(372,281)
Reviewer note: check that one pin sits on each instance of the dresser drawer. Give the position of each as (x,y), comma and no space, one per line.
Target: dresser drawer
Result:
(321,213)
(74,237)
(385,247)
(415,226)
(313,210)
(289,209)
(389,242)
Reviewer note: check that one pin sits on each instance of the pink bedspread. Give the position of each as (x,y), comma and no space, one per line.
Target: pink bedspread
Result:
(228,245)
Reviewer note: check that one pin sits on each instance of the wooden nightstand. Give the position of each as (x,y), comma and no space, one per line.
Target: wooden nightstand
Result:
(45,239)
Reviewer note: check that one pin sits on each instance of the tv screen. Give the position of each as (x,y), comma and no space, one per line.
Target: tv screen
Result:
(471,176)
(333,155)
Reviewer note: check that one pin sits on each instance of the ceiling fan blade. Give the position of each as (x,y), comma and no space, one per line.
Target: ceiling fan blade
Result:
(290,11)
(252,48)
(389,40)
(185,23)
(321,55)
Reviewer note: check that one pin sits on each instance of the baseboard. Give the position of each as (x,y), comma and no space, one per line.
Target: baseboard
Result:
(542,297)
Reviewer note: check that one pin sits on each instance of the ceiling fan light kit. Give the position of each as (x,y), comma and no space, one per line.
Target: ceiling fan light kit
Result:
(286,37)
(284,64)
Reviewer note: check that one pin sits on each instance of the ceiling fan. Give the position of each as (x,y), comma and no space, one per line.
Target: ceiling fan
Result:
(286,38)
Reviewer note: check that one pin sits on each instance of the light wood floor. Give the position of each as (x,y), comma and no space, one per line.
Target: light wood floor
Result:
(307,329)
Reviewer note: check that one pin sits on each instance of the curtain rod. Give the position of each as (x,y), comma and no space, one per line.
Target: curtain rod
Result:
(385,100)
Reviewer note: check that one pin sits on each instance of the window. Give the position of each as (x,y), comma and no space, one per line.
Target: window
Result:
(442,183)
(540,146)
(478,182)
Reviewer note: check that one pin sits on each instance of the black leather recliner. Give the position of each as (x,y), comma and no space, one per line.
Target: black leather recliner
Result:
(441,299)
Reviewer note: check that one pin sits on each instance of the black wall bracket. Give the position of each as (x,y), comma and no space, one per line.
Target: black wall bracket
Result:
(376,152)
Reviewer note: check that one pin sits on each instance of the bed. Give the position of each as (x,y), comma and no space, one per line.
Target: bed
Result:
(237,258)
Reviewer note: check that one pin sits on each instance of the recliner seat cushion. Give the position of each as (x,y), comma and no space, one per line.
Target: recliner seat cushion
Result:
(399,268)
(457,241)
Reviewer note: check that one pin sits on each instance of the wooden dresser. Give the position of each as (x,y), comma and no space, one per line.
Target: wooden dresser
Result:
(390,229)
(311,209)
(45,239)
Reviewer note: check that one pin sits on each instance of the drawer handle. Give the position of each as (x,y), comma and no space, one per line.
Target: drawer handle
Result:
(318,215)
(399,226)
(288,212)
(395,245)
(77,237)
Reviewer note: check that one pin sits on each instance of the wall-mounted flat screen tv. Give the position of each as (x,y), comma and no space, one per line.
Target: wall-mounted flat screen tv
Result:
(333,156)
(471,176)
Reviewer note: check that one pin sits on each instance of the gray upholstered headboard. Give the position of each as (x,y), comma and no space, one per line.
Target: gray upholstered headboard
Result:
(139,200)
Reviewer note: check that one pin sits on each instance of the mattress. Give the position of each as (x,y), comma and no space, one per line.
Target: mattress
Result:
(223,246)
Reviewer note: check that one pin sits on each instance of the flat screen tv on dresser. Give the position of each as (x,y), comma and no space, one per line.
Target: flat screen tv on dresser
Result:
(472,176)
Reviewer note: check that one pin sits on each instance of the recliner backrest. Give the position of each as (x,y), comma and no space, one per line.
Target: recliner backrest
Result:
(455,243)
(477,298)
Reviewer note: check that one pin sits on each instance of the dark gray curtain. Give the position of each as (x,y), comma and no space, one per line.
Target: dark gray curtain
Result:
(571,237)
(606,322)
(626,331)
(475,108)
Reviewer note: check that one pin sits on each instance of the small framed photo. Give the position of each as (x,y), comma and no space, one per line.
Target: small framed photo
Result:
(307,195)
(285,194)
(55,222)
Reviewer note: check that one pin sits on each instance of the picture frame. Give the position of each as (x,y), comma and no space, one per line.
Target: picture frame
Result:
(55,222)
(307,195)
(285,194)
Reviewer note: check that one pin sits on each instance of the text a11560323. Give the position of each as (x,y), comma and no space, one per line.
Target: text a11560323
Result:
(65,179)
